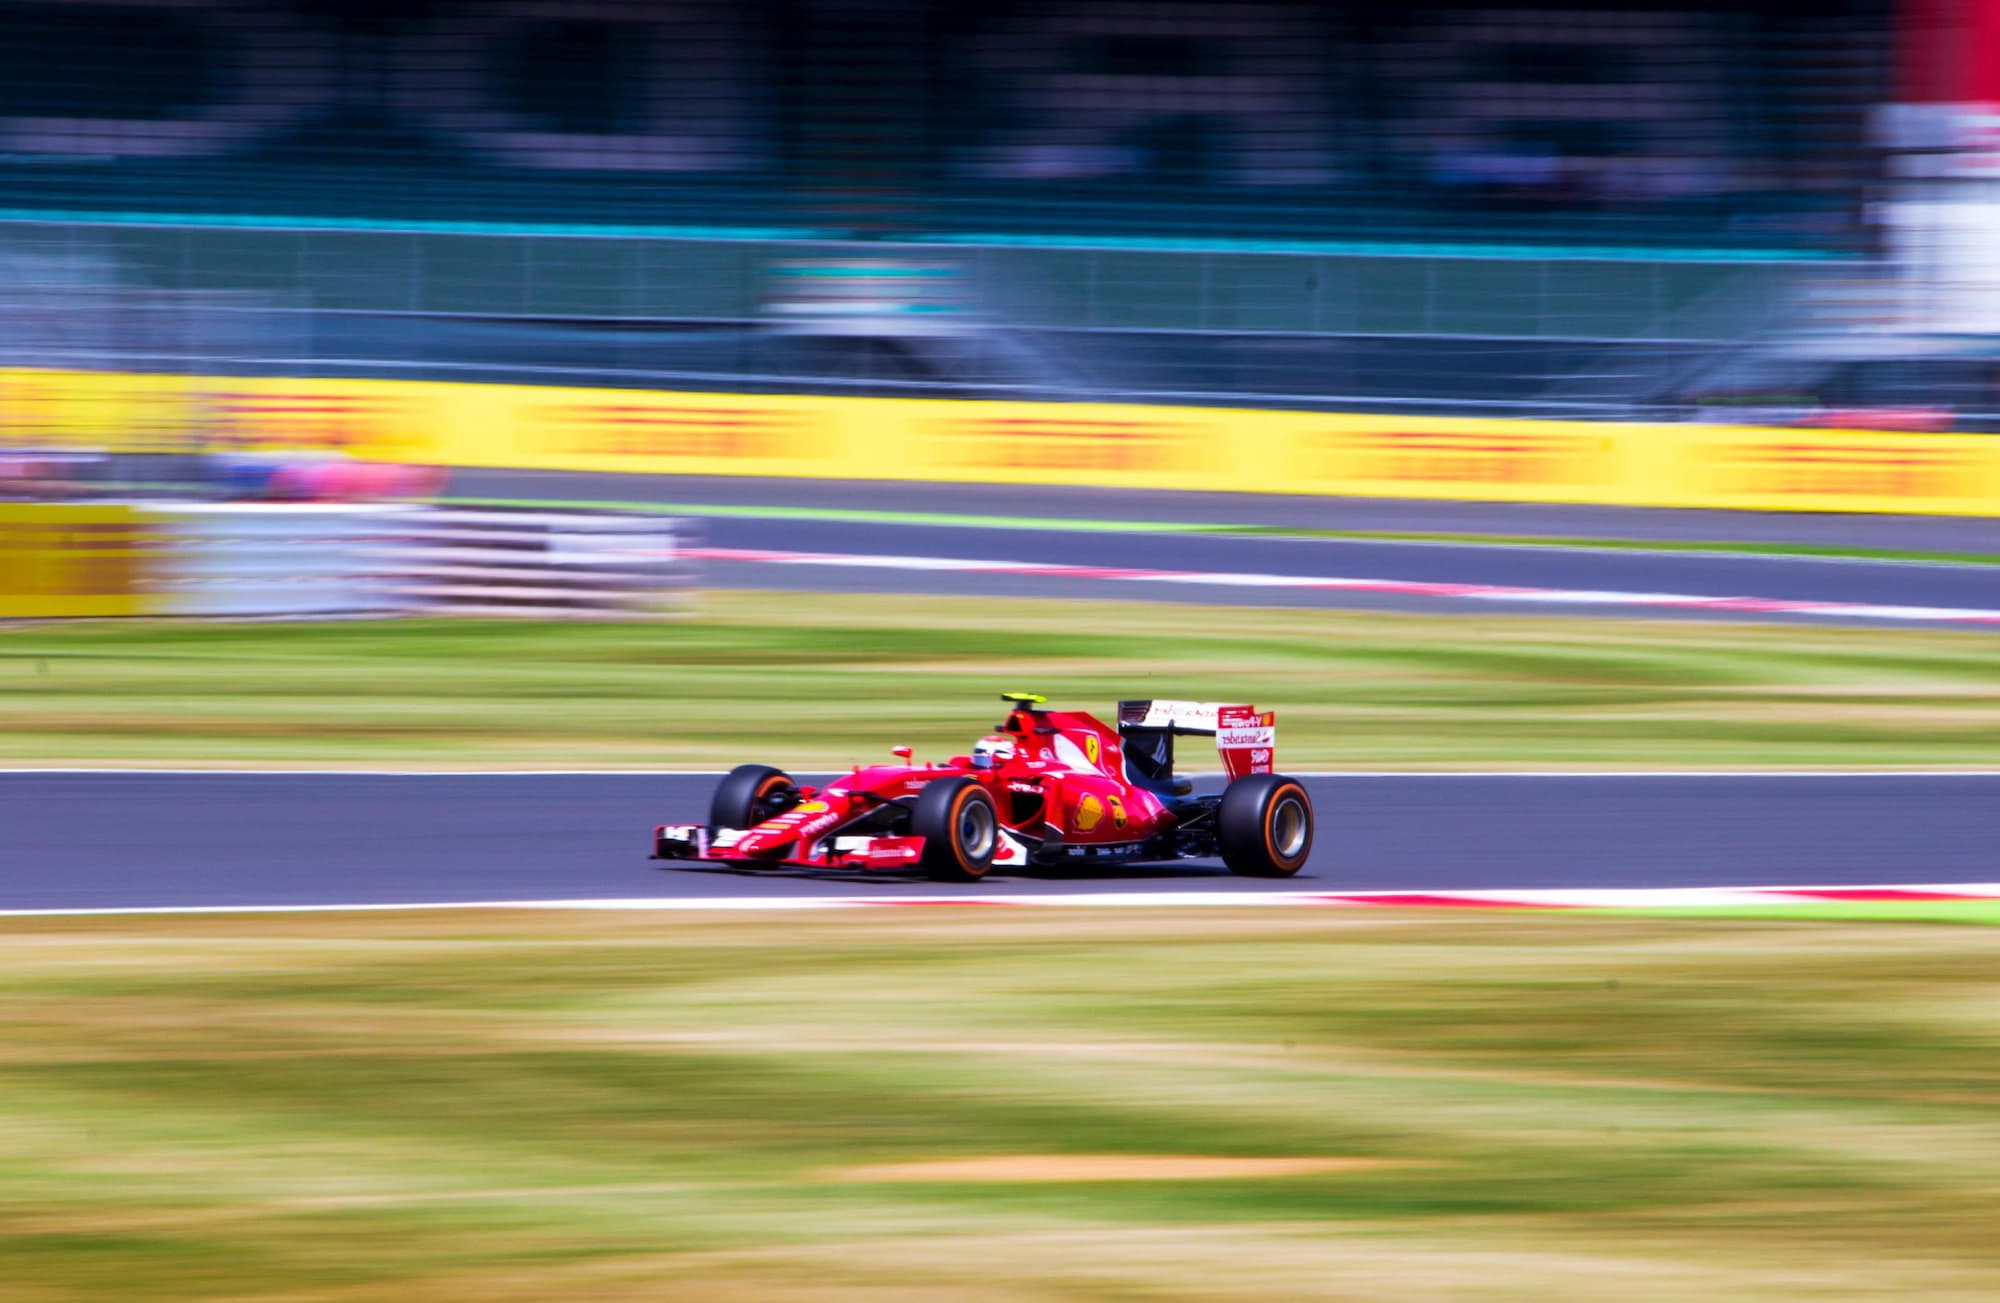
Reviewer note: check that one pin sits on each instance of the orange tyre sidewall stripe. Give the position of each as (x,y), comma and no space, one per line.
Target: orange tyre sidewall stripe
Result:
(1271,819)
(958,809)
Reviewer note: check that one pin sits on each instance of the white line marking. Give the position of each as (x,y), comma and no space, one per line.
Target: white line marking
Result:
(1402,587)
(86,771)
(1719,553)
(1560,898)
(390,773)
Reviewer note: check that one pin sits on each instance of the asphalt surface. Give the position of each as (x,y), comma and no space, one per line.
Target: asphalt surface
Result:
(1521,519)
(1574,570)
(78,841)
(1787,578)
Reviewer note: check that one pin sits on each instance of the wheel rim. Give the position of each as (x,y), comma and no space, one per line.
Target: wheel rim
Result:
(975,828)
(770,797)
(1290,826)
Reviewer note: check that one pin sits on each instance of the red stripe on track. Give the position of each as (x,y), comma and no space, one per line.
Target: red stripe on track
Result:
(1874,893)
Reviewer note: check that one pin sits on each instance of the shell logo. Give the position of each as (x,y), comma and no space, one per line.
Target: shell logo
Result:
(811,807)
(1089,813)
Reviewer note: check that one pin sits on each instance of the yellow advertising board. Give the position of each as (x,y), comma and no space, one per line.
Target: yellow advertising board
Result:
(1110,445)
(60,560)
(1838,470)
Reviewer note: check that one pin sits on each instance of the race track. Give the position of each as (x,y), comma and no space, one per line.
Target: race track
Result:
(126,840)
(1351,574)
(998,541)
(1298,511)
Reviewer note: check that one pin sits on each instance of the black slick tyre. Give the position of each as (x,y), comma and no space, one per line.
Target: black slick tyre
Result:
(960,828)
(1264,826)
(750,794)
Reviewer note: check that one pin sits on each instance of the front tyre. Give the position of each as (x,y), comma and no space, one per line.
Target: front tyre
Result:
(1264,826)
(751,794)
(960,828)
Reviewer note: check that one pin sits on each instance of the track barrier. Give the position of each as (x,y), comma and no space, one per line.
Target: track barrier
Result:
(1131,447)
(535,563)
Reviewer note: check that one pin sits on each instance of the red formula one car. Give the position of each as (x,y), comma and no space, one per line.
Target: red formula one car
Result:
(1050,787)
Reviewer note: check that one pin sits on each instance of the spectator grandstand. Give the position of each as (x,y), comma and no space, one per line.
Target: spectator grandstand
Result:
(1698,125)
(1525,207)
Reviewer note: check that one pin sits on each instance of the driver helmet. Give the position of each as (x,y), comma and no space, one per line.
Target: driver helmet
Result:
(992,751)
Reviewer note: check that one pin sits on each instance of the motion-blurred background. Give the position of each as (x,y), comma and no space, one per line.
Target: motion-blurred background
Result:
(1356,359)
(1514,209)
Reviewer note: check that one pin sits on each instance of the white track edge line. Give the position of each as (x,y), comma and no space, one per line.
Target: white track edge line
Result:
(1530,898)
(107,771)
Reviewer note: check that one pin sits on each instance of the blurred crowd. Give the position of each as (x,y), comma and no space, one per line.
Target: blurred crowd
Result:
(888,116)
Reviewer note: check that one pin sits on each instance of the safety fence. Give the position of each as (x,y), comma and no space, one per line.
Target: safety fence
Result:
(1107,445)
(323,560)
(148,287)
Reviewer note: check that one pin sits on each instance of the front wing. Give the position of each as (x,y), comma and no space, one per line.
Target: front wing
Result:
(699,842)
(834,851)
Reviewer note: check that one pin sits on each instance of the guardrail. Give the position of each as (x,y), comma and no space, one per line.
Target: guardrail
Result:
(321,560)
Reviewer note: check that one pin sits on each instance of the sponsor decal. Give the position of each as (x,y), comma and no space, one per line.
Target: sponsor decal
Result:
(816,825)
(1790,467)
(1245,740)
(1089,813)
(1091,747)
(63,560)
(311,418)
(1496,455)
(1055,443)
(1018,786)
(626,428)
(1199,716)
(1117,808)
(811,807)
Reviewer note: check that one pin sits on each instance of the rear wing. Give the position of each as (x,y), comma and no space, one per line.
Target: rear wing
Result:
(1245,738)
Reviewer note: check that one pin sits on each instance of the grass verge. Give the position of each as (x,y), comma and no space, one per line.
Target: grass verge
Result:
(1986,912)
(998,1104)
(822,680)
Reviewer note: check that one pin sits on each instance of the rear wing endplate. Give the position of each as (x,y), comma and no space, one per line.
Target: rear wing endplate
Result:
(1245,738)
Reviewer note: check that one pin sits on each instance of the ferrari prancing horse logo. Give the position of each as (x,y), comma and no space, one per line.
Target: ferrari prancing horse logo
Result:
(1090,812)
(1090,749)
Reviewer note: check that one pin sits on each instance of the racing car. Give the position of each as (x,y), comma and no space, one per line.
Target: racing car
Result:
(1048,787)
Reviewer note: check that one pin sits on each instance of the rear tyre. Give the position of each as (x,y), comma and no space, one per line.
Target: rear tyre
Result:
(751,794)
(1264,826)
(960,828)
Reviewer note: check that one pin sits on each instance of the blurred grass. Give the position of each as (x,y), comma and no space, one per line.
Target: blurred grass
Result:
(528,1106)
(821,680)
